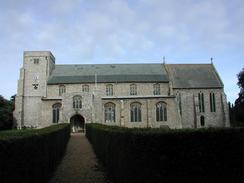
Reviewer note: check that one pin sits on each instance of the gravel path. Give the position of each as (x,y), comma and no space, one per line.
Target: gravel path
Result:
(79,163)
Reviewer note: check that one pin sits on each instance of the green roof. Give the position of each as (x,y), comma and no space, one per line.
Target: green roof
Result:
(108,73)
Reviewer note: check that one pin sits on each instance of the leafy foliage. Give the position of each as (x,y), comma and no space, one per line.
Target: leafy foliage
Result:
(241,79)
(31,155)
(237,112)
(160,155)
(6,113)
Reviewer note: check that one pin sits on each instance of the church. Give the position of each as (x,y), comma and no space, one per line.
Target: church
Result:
(155,95)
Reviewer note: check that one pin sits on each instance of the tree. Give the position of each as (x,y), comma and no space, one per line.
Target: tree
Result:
(238,111)
(6,113)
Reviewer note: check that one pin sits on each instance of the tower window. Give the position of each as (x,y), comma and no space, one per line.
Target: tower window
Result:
(36,60)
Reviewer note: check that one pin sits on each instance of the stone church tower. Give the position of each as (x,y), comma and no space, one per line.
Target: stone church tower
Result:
(32,87)
(130,95)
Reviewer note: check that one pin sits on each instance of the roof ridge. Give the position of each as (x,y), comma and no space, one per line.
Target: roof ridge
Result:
(190,64)
(111,64)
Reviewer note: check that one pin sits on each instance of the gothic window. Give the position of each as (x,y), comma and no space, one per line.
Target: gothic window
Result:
(62,89)
(212,102)
(135,112)
(85,88)
(161,111)
(109,90)
(56,111)
(201,102)
(36,60)
(109,112)
(133,89)
(77,104)
(156,89)
(202,121)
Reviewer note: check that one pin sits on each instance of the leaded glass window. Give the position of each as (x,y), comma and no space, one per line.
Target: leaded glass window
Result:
(109,112)
(56,112)
(135,112)
(156,89)
(133,89)
(161,111)
(212,102)
(77,102)
(62,89)
(85,88)
(201,102)
(109,90)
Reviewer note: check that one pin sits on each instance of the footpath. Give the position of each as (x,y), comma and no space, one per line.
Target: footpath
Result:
(79,164)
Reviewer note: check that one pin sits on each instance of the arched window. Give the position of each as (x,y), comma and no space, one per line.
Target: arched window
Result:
(85,88)
(135,112)
(62,90)
(77,104)
(156,89)
(109,90)
(133,89)
(212,102)
(201,102)
(56,111)
(202,121)
(109,112)
(161,111)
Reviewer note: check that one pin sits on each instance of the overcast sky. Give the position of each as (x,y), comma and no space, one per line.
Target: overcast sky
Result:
(120,31)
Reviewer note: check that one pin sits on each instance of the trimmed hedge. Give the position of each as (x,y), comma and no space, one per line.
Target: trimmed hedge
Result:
(159,155)
(31,155)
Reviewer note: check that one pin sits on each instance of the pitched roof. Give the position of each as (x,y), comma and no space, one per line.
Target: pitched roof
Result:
(65,74)
(194,76)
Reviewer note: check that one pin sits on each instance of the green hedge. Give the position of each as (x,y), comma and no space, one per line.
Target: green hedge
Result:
(157,155)
(31,155)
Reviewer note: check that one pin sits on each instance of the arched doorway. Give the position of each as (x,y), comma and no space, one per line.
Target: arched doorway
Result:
(77,123)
